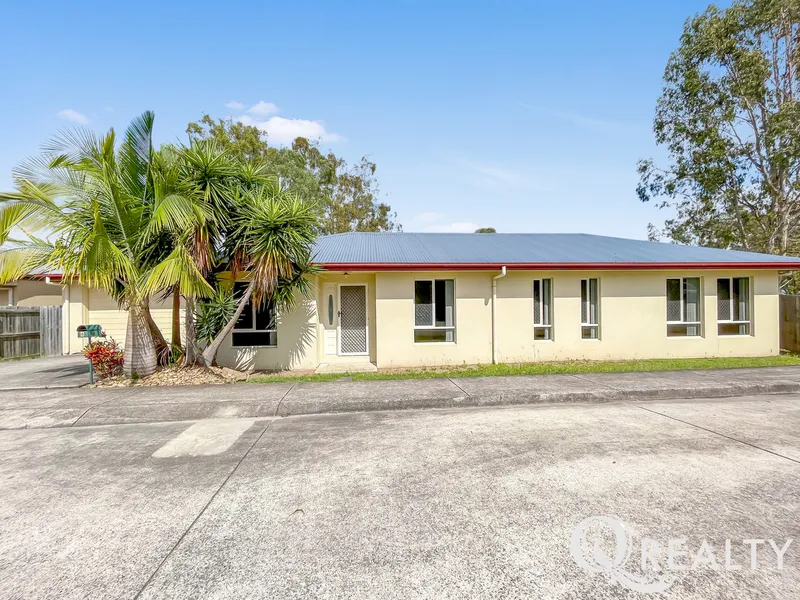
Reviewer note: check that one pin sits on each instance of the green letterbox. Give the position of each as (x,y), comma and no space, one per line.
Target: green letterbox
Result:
(86,331)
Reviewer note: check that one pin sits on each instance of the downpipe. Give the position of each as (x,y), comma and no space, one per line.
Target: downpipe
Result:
(494,313)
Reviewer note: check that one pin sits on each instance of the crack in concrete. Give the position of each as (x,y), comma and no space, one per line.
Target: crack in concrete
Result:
(280,402)
(459,387)
(728,437)
(202,511)
(83,414)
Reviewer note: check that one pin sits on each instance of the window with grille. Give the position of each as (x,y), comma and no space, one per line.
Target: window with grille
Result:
(542,309)
(590,309)
(434,311)
(733,306)
(683,307)
(256,325)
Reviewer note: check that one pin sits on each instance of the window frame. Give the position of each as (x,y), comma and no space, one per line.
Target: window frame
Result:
(595,326)
(433,325)
(252,328)
(699,323)
(748,322)
(549,327)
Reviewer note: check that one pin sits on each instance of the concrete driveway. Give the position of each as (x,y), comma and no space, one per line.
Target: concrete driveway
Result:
(452,503)
(49,372)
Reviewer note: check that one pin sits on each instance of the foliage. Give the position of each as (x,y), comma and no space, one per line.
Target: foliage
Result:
(486,230)
(271,236)
(730,120)
(348,195)
(214,313)
(551,368)
(106,357)
(107,215)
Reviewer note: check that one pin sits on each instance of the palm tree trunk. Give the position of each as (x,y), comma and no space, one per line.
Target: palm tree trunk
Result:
(210,353)
(176,317)
(191,356)
(140,353)
(159,341)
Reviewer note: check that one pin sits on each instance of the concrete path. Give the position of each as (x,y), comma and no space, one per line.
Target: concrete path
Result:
(453,503)
(51,372)
(100,406)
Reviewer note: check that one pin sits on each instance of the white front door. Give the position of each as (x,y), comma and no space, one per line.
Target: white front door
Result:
(353,319)
(330,320)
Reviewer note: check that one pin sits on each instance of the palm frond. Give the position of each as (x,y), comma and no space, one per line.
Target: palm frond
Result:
(19,260)
(177,269)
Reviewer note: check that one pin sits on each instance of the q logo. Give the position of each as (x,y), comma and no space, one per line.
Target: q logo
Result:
(597,561)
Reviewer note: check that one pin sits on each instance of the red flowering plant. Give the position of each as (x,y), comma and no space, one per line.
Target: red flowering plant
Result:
(106,357)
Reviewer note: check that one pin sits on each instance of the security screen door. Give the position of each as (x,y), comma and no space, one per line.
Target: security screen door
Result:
(353,319)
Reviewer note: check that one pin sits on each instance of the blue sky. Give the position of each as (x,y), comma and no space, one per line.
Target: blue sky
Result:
(525,116)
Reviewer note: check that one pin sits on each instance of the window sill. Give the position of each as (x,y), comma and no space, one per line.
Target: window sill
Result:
(271,346)
(735,335)
(435,343)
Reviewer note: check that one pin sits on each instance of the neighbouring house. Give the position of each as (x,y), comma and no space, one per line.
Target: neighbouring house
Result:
(432,299)
(38,289)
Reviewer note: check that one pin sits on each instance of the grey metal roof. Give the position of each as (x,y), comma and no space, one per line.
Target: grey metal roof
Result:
(521,248)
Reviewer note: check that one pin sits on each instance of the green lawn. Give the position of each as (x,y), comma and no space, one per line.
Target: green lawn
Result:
(549,368)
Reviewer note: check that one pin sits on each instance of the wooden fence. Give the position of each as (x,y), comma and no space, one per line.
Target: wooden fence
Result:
(790,323)
(30,331)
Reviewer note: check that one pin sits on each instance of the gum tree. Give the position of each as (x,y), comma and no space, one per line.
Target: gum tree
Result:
(729,119)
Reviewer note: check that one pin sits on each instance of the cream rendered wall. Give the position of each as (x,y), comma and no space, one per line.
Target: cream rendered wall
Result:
(394,306)
(296,349)
(36,293)
(82,305)
(632,317)
(330,282)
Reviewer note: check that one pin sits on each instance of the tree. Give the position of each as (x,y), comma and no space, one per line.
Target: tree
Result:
(213,177)
(730,120)
(106,216)
(486,230)
(347,195)
(270,242)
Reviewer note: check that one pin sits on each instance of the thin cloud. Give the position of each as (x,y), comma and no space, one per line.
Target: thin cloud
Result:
(234,105)
(577,119)
(498,175)
(429,217)
(262,109)
(284,131)
(73,115)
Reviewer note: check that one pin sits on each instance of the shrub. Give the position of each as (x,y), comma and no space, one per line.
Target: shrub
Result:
(214,313)
(106,357)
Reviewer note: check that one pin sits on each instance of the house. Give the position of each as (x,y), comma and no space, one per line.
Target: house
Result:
(427,299)
(37,289)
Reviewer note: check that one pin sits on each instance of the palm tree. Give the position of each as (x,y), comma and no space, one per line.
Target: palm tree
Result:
(269,242)
(215,177)
(106,216)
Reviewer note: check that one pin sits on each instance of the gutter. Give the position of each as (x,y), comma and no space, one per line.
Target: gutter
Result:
(598,266)
(494,313)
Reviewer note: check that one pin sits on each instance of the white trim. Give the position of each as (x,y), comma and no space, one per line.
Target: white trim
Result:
(548,326)
(339,351)
(731,304)
(433,325)
(589,307)
(700,302)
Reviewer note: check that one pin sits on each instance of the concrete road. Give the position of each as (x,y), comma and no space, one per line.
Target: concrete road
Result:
(49,372)
(452,503)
